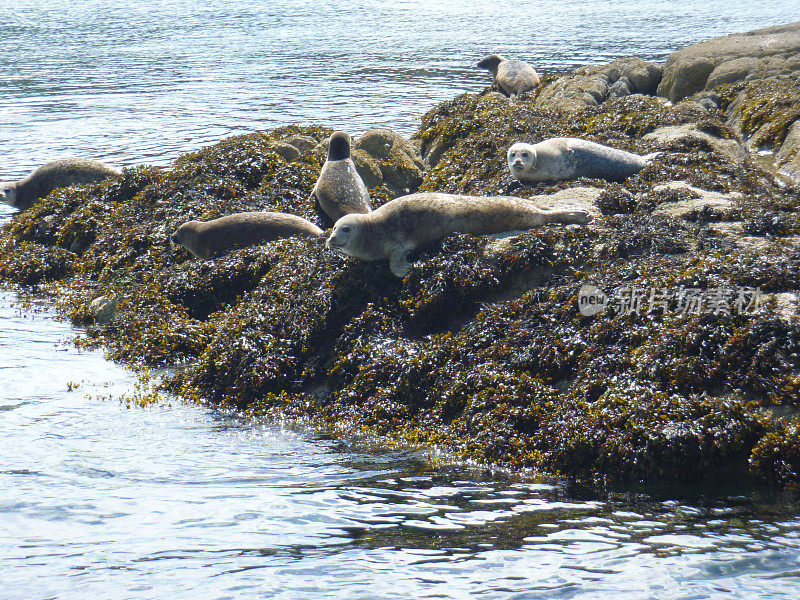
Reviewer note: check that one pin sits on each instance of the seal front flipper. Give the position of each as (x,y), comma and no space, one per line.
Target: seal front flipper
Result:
(399,263)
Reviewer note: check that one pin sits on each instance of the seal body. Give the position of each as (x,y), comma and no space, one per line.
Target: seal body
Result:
(53,175)
(569,158)
(513,77)
(205,239)
(339,190)
(406,223)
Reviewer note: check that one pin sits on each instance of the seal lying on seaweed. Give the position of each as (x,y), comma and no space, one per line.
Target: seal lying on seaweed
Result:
(406,223)
(570,158)
(53,175)
(210,238)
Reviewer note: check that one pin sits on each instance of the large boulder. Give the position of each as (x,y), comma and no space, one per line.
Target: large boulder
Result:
(397,159)
(788,157)
(672,136)
(762,53)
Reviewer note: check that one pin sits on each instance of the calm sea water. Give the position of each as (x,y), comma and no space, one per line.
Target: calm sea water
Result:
(101,501)
(132,82)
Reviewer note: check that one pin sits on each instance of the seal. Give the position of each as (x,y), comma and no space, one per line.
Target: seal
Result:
(569,158)
(513,77)
(339,190)
(205,239)
(406,223)
(53,175)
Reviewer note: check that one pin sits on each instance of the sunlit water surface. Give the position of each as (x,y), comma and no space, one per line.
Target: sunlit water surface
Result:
(131,82)
(101,501)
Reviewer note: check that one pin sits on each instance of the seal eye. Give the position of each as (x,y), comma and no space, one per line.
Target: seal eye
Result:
(524,155)
(346,229)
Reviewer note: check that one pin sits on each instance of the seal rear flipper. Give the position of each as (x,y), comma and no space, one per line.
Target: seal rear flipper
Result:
(649,158)
(570,217)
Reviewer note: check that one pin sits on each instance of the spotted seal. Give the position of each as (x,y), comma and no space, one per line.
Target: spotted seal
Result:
(205,239)
(513,77)
(569,158)
(53,175)
(339,190)
(406,223)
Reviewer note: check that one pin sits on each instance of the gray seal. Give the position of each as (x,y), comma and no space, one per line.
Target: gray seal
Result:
(205,239)
(569,158)
(513,77)
(406,223)
(53,175)
(339,190)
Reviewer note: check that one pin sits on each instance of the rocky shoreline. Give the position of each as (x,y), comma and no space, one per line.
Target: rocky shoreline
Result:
(481,349)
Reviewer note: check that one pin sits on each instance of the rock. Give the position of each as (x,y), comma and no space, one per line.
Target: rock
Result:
(675,134)
(730,58)
(640,76)
(787,305)
(286,150)
(733,70)
(696,201)
(690,110)
(103,308)
(303,143)
(368,168)
(788,157)
(763,110)
(574,92)
(727,228)
(582,198)
(396,157)
(708,100)
(322,147)
(588,86)
(619,89)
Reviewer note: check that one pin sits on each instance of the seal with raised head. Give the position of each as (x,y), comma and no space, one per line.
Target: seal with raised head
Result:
(339,190)
(205,239)
(53,175)
(513,77)
(406,223)
(570,158)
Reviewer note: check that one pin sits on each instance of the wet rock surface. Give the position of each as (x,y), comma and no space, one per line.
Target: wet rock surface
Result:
(481,349)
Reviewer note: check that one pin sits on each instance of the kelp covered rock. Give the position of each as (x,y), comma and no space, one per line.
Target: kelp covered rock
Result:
(481,349)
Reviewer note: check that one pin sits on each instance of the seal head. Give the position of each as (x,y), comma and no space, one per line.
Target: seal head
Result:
(490,63)
(8,194)
(521,158)
(348,236)
(339,148)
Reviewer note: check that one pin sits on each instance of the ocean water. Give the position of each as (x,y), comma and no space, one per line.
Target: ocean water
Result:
(98,500)
(134,82)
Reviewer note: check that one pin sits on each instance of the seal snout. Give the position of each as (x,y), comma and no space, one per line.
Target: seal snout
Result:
(175,238)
